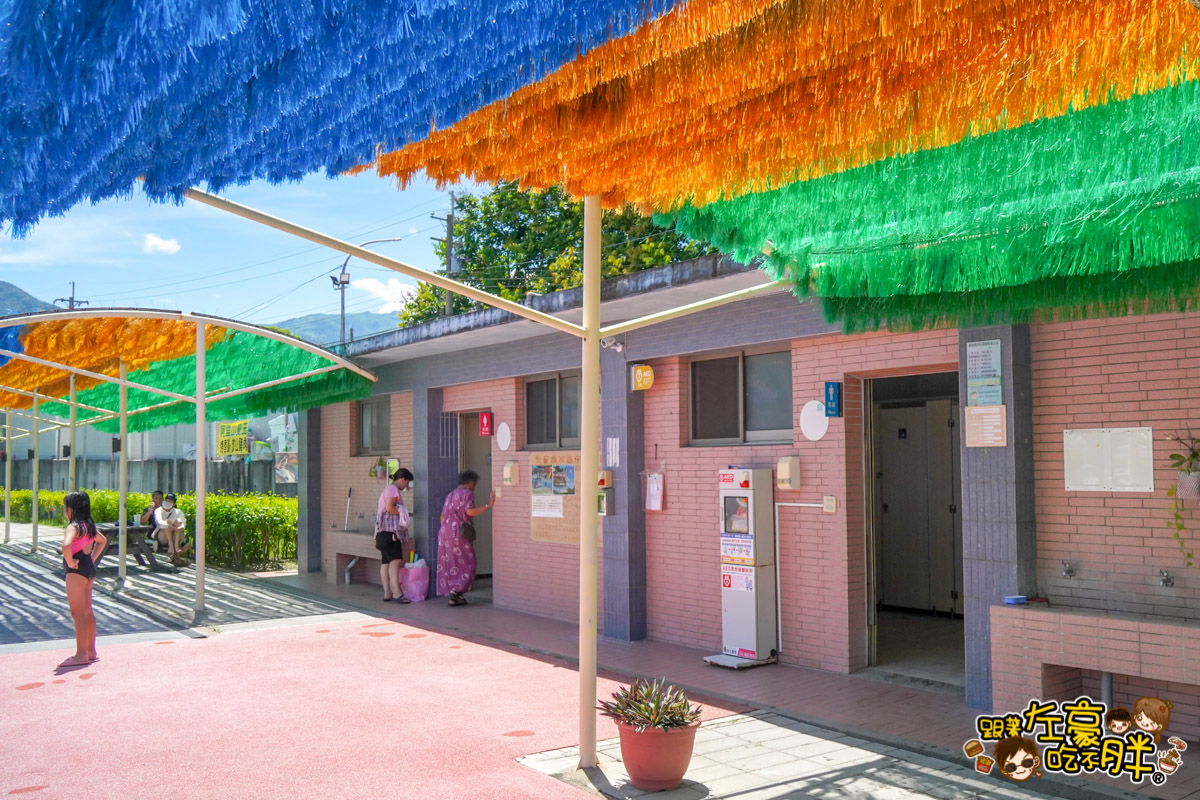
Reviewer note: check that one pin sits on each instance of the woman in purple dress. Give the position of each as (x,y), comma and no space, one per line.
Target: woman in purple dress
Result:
(456,556)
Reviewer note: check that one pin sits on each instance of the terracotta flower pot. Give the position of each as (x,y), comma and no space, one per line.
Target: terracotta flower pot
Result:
(1188,486)
(656,759)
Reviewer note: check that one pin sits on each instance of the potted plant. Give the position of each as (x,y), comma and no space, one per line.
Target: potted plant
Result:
(657,725)
(378,469)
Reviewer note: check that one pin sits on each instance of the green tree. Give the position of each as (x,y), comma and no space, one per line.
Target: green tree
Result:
(510,242)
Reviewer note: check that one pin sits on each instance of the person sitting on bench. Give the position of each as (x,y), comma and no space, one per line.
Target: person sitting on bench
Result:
(169,523)
(156,501)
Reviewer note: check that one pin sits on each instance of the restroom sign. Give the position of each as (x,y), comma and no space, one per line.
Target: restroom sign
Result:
(485,423)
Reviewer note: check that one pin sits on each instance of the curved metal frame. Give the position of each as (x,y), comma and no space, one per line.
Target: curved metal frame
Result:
(200,400)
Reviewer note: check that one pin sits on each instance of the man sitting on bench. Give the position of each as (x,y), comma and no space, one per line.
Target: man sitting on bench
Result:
(169,524)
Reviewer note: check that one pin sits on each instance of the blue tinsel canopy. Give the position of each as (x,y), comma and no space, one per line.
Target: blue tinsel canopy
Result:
(190,92)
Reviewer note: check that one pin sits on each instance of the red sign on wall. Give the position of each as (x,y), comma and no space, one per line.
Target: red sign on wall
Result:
(485,423)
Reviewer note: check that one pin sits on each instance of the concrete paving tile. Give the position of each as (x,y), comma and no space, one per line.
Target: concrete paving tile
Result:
(706,775)
(769,758)
(772,734)
(795,739)
(744,752)
(734,785)
(809,749)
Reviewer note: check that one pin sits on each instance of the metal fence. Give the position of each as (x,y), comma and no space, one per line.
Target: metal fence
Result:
(145,476)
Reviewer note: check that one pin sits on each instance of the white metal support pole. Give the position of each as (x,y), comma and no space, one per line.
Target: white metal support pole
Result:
(71,484)
(589,469)
(8,459)
(201,462)
(123,479)
(36,475)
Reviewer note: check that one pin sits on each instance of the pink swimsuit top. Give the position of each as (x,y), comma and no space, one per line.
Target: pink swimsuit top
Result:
(80,542)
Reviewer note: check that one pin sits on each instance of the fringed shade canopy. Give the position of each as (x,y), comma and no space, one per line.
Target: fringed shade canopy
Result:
(187,93)
(159,352)
(910,163)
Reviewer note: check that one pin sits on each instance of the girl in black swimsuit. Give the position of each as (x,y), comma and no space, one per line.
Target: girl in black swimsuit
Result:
(82,547)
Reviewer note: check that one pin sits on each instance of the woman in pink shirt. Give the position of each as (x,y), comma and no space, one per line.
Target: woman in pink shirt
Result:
(392,539)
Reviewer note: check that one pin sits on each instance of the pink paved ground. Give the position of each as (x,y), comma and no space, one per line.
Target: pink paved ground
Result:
(371,709)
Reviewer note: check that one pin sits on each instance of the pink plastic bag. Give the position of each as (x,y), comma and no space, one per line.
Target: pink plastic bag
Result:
(414,582)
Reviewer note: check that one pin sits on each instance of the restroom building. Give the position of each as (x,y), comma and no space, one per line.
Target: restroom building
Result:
(900,537)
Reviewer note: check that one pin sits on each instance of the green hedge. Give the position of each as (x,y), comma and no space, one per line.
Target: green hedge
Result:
(242,532)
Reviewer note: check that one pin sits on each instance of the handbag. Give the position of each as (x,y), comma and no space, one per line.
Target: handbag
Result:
(467,531)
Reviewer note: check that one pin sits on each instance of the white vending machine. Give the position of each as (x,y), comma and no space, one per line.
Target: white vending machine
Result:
(747,530)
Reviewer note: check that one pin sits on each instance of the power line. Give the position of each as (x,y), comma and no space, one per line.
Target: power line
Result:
(292,254)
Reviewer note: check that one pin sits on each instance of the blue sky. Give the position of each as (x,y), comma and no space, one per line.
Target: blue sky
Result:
(194,258)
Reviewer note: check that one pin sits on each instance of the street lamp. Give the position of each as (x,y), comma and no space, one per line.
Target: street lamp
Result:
(342,280)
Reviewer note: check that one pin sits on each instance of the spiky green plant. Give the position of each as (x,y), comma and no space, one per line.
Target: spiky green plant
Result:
(651,704)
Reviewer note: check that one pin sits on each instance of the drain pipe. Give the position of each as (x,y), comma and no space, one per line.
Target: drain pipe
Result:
(349,567)
(1106,689)
(778,587)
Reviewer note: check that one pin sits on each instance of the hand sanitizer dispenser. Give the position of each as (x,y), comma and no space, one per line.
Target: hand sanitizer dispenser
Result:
(787,474)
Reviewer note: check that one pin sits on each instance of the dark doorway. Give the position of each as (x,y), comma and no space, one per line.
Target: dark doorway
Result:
(916,529)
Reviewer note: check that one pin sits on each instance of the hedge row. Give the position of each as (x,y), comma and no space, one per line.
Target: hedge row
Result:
(242,532)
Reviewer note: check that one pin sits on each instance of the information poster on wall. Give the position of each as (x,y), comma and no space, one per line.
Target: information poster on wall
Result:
(554,505)
(287,467)
(232,438)
(984,373)
(737,579)
(987,426)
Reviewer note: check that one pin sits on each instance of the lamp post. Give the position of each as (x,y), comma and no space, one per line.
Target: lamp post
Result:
(342,280)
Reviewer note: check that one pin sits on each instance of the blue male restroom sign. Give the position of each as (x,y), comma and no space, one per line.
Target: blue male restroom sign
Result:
(833,399)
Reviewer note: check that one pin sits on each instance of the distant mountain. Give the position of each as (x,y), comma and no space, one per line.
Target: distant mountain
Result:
(17,301)
(324,328)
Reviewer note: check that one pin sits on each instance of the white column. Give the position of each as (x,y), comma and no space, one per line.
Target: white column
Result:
(201,463)
(36,474)
(72,486)
(589,468)
(122,478)
(8,459)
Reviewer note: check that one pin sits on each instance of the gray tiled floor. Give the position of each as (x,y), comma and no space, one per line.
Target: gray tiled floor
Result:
(766,756)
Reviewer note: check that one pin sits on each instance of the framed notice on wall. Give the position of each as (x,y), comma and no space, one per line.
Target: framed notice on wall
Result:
(554,503)
(1109,460)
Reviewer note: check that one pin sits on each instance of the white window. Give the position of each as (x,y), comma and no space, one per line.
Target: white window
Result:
(552,412)
(374,426)
(744,397)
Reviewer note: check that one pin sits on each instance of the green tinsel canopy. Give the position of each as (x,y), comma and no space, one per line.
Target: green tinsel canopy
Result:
(1087,210)
(239,361)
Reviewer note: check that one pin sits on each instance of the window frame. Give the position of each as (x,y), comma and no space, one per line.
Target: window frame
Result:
(559,443)
(764,437)
(364,408)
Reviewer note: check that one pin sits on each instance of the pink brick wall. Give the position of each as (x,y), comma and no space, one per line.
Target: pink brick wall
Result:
(534,577)
(1059,653)
(341,471)
(1114,373)
(821,556)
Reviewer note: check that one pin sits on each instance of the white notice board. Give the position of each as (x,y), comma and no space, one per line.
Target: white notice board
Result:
(1109,459)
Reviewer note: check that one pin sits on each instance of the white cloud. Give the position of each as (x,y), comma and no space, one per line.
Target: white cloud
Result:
(155,244)
(393,293)
(412,230)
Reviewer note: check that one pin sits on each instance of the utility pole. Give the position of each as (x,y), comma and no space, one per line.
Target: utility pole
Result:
(69,450)
(71,301)
(451,267)
(341,281)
